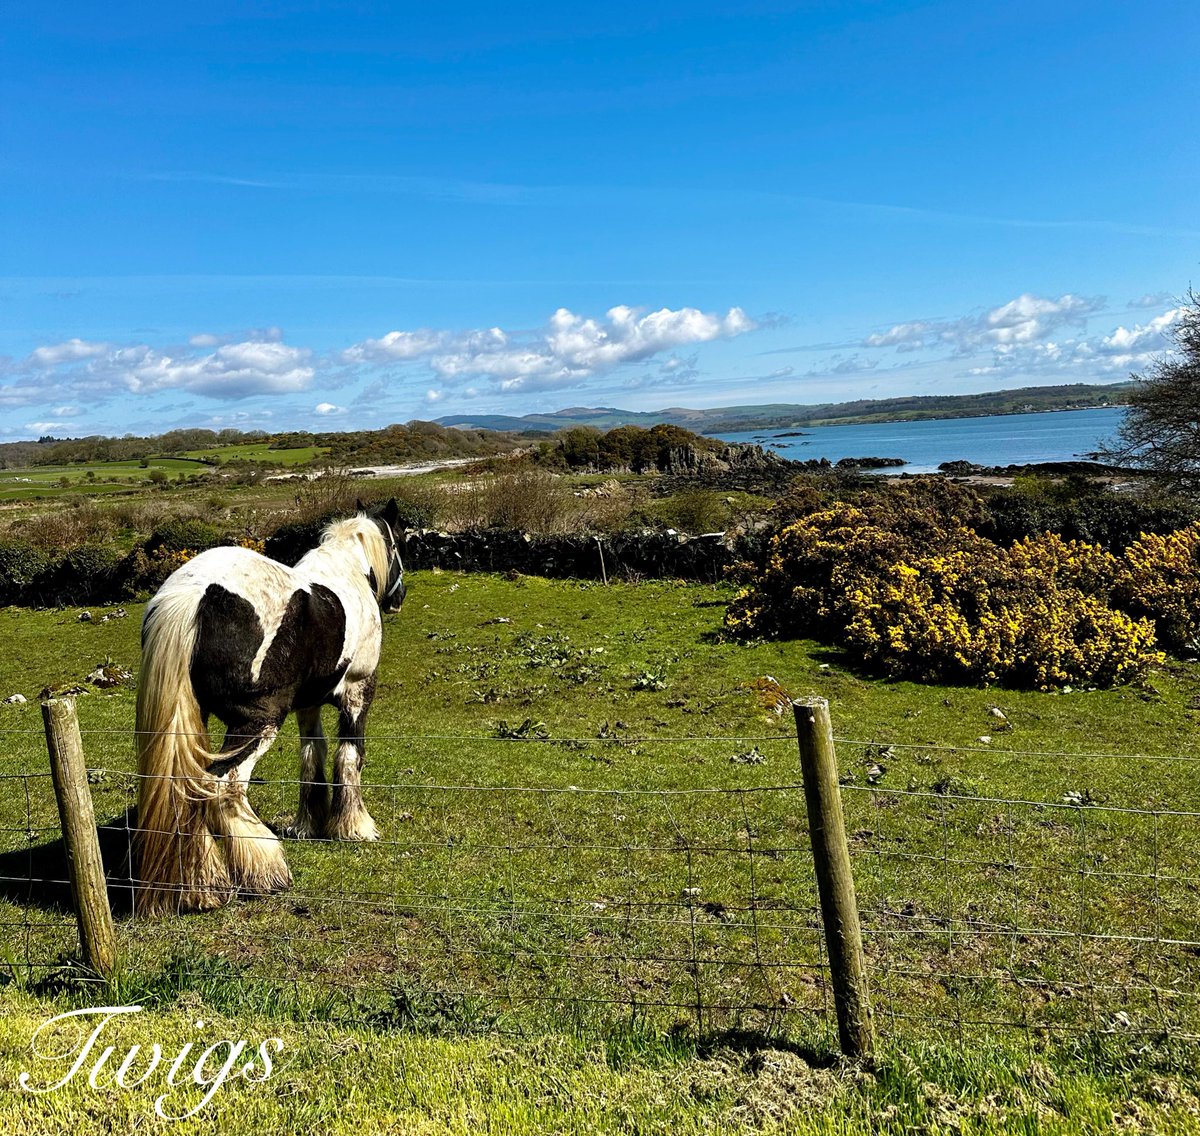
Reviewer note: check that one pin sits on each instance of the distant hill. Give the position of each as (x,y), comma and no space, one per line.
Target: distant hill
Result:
(772,416)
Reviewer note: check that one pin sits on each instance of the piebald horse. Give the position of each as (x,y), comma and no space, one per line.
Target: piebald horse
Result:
(237,635)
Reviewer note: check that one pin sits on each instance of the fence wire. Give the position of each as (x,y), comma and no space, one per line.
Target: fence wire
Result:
(501,903)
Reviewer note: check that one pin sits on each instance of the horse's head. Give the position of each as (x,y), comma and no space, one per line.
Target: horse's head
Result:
(387,519)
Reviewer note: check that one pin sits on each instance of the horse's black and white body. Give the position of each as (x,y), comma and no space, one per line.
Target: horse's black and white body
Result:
(241,637)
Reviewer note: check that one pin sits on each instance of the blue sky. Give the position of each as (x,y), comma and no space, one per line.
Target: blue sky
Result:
(339,215)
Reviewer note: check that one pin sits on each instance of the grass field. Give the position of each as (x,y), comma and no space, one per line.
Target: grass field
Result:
(105,477)
(118,476)
(260,452)
(643,886)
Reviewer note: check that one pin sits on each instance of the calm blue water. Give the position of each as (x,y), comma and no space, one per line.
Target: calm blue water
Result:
(1003,439)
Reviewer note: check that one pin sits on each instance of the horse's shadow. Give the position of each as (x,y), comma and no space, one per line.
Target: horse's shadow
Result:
(37,876)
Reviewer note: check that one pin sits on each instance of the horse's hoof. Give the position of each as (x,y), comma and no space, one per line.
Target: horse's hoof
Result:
(358,827)
(260,889)
(303,830)
(156,903)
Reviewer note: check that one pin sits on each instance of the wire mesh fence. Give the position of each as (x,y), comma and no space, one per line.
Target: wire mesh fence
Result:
(537,900)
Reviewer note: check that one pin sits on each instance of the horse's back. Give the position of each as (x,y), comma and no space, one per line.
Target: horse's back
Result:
(241,569)
(265,638)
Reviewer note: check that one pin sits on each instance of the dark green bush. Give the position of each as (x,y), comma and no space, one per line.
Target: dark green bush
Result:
(1081,509)
(180,533)
(82,575)
(19,567)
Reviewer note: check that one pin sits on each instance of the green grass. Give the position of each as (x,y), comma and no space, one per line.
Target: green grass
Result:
(260,452)
(350,1078)
(108,477)
(123,476)
(570,910)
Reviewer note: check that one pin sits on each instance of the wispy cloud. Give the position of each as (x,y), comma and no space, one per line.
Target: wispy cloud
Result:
(467,190)
(439,188)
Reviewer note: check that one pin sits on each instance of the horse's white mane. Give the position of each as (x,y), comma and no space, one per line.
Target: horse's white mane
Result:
(361,528)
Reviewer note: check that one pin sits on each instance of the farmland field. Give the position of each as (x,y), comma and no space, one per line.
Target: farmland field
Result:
(89,477)
(594,862)
(259,452)
(122,476)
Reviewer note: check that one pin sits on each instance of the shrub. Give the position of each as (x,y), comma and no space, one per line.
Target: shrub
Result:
(605,508)
(78,524)
(529,501)
(1081,509)
(180,533)
(1036,614)
(916,592)
(333,493)
(20,565)
(802,584)
(81,575)
(1161,579)
(422,504)
(697,511)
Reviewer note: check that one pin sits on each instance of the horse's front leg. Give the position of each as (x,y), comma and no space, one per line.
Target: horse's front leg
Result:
(348,817)
(313,813)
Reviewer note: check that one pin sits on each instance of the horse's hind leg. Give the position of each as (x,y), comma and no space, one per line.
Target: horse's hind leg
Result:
(313,813)
(349,819)
(252,851)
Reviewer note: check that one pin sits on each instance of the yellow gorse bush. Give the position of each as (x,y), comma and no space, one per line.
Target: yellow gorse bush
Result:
(174,558)
(926,597)
(1160,577)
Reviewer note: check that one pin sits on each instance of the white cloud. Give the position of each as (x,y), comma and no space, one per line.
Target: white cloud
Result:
(1152,336)
(72,351)
(22,394)
(235,370)
(1029,318)
(45,427)
(395,346)
(1026,319)
(434,395)
(903,336)
(1122,350)
(853,365)
(568,350)
(1150,300)
(572,348)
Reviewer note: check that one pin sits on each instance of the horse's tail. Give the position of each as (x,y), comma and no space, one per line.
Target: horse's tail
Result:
(178,864)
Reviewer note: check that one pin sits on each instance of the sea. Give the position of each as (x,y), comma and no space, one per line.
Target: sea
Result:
(998,439)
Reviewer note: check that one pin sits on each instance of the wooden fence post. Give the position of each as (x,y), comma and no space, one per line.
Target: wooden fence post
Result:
(85,866)
(835,881)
